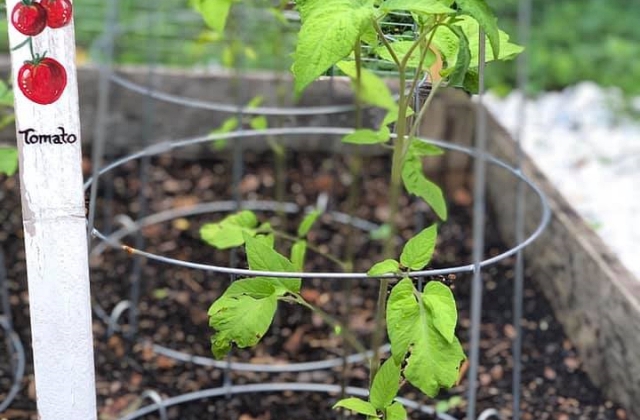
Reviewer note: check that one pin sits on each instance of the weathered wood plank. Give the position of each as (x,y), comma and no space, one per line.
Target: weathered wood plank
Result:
(596,299)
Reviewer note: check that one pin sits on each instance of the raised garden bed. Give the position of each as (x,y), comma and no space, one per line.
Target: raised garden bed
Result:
(174,301)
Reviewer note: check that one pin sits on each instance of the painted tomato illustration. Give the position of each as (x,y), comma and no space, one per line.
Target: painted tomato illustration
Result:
(59,12)
(29,17)
(42,80)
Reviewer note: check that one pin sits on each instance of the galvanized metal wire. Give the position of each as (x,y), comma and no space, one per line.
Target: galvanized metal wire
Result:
(153,150)
(16,357)
(524,29)
(273,388)
(479,212)
(114,239)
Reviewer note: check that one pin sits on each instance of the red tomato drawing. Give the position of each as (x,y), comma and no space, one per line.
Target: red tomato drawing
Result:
(29,17)
(42,80)
(59,12)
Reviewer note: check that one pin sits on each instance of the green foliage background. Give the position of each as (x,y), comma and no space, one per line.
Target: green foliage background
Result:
(572,40)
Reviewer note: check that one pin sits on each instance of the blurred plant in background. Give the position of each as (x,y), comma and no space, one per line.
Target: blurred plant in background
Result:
(600,45)
(575,40)
(8,155)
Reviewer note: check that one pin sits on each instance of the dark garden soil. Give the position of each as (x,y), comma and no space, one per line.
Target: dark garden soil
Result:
(174,300)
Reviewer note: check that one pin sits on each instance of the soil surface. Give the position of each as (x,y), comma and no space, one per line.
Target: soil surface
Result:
(173,301)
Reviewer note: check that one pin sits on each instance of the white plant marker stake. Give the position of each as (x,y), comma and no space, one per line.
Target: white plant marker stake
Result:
(48,136)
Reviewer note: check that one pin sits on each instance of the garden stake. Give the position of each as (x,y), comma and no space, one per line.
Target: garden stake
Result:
(53,209)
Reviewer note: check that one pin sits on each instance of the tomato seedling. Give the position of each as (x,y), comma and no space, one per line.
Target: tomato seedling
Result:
(419,322)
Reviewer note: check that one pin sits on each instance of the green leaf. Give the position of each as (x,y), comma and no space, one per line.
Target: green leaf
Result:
(357,405)
(385,384)
(307,223)
(219,144)
(6,95)
(445,405)
(259,123)
(420,148)
(447,42)
(256,287)
(255,102)
(240,320)
(214,12)
(264,258)
(384,267)
(439,299)
(370,36)
(330,29)
(230,232)
(422,6)
(6,120)
(480,11)
(367,136)
(267,239)
(508,50)
(8,160)
(417,252)
(392,116)
(298,253)
(227,126)
(416,183)
(471,82)
(401,48)
(433,362)
(402,312)
(463,60)
(382,232)
(373,89)
(396,411)
(442,406)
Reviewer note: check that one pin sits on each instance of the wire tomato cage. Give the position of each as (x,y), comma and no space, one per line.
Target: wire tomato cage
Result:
(114,240)
(13,345)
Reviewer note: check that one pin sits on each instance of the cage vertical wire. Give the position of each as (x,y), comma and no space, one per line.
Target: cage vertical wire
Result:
(148,95)
(15,354)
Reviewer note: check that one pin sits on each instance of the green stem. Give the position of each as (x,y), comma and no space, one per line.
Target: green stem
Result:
(423,108)
(280,153)
(344,331)
(399,150)
(389,246)
(355,162)
(355,169)
(423,55)
(310,247)
(280,161)
(386,43)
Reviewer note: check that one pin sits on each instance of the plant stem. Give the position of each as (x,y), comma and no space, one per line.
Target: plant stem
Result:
(310,247)
(424,107)
(280,153)
(386,43)
(389,246)
(423,54)
(344,331)
(279,156)
(355,168)
(355,162)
